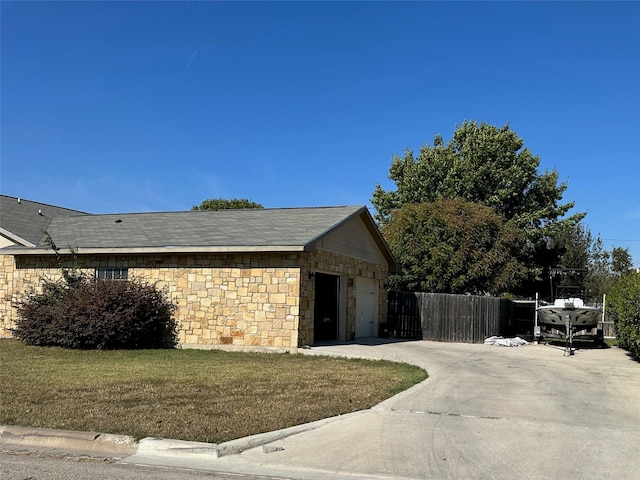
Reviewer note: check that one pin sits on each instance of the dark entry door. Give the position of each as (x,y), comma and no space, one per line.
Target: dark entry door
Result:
(325,313)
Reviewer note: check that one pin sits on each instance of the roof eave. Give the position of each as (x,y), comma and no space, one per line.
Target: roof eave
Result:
(158,250)
(15,238)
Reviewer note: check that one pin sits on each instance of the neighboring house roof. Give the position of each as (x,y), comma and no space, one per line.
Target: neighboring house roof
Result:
(221,231)
(23,221)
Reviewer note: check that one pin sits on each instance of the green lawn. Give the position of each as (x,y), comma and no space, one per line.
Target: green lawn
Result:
(198,395)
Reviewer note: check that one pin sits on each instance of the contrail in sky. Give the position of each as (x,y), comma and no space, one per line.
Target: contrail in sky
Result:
(195,50)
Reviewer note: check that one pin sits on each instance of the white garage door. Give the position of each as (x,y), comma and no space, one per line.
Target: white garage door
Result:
(366,307)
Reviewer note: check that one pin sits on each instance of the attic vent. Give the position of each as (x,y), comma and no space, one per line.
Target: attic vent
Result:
(118,221)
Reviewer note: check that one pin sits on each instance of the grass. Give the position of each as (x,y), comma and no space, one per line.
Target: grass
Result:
(197,395)
(611,342)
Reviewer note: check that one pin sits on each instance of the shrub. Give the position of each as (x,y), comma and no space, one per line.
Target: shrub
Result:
(624,306)
(97,314)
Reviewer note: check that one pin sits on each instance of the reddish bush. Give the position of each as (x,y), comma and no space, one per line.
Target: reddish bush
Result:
(97,314)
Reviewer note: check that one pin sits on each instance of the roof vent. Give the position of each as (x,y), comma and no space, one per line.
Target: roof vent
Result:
(39,211)
(118,221)
(19,200)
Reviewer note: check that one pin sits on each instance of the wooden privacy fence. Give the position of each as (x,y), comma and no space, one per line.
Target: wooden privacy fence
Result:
(608,329)
(443,317)
(447,318)
(403,315)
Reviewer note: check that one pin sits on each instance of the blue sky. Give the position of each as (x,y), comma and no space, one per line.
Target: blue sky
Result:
(155,106)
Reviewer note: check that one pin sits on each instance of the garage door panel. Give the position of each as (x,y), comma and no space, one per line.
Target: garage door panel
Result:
(366,307)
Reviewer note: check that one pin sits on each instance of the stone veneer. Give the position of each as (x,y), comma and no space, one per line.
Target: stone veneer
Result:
(243,301)
(349,269)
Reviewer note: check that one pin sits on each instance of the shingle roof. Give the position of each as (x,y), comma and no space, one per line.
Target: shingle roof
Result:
(283,229)
(23,221)
(249,230)
(222,228)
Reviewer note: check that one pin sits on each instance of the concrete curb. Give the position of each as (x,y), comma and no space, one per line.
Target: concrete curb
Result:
(159,447)
(93,443)
(163,447)
(239,445)
(107,445)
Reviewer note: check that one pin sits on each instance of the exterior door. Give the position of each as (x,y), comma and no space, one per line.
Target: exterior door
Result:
(326,310)
(366,307)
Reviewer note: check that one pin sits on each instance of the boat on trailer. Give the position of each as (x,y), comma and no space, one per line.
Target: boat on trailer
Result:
(568,313)
(568,316)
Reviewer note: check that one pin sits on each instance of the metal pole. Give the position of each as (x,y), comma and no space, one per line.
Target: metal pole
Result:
(535,320)
(569,337)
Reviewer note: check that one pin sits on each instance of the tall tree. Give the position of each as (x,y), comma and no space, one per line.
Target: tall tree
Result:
(578,249)
(454,246)
(487,165)
(621,261)
(600,278)
(574,243)
(483,164)
(224,204)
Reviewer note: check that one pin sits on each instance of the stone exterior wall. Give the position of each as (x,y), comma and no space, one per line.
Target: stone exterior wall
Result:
(223,300)
(256,302)
(8,295)
(349,269)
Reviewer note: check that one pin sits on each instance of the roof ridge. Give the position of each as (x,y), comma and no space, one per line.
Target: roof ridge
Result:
(19,200)
(155,212)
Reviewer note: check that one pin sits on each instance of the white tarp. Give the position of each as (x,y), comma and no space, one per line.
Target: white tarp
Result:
(505,342)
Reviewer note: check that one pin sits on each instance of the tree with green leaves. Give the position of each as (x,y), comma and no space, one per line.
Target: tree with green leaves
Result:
(600,277)
(482,164)
(487,165)
(621,261)
(224,204)
(454,246)
(579,250)
(575,245)
(624,307)
(583,259)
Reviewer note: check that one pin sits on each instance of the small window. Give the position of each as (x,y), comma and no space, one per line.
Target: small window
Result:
(112,273)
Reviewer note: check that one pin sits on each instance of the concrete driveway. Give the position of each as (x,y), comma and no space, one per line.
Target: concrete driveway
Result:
(485,412)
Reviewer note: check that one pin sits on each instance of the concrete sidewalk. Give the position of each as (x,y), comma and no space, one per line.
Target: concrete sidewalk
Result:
(484,412)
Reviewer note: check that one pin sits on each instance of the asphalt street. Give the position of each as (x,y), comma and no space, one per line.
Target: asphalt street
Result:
(48,466)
